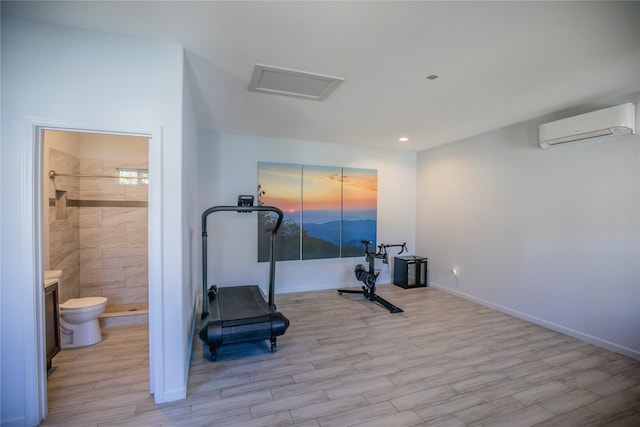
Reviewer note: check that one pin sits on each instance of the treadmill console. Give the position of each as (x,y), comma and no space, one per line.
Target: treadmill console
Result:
(245,200)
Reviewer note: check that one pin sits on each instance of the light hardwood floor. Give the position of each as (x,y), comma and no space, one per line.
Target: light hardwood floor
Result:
(346,361)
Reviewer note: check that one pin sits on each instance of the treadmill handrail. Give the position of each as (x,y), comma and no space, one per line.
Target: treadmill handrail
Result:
(213,209)
(272,261)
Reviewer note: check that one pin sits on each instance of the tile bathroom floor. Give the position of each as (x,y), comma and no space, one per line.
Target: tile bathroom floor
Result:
(346,361)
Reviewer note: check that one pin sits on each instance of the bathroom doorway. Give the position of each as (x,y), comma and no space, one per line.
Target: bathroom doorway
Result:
(95,221)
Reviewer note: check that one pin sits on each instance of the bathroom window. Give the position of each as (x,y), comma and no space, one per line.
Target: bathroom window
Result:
(129,176)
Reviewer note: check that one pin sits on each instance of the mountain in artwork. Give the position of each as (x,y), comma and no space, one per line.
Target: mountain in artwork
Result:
(352,231)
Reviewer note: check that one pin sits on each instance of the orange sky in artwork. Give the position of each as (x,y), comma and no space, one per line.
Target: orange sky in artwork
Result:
(320,187)
(360,189)
(282,185)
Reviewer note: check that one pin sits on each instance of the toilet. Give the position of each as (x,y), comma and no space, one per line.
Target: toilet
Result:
(79,324)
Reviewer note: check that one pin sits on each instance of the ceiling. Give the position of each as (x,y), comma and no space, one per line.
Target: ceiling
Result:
(498,63)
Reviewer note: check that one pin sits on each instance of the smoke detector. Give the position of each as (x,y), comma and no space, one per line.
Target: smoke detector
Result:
(283,81)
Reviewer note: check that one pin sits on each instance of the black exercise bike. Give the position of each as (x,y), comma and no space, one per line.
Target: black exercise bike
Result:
(369,277)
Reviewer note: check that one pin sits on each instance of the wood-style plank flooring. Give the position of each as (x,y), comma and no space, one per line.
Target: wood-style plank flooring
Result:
(346,361)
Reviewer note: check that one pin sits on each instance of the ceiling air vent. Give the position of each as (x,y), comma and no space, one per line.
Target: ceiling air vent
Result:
(282,81)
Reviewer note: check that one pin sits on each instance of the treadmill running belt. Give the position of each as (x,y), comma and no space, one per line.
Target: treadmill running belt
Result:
(242,302)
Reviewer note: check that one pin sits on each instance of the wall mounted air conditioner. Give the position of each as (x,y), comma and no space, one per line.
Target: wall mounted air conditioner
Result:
(612,121)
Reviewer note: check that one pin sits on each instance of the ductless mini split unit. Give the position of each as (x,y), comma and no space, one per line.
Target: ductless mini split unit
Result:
(612,121)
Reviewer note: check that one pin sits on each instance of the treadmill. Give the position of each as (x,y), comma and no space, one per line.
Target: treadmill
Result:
(238,314)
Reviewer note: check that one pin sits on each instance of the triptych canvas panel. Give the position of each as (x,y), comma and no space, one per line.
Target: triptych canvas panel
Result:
(328,210)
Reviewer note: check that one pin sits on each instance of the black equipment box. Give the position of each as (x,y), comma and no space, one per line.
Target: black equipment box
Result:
(410,271)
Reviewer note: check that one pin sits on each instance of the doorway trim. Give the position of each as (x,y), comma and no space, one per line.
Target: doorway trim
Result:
(32,205)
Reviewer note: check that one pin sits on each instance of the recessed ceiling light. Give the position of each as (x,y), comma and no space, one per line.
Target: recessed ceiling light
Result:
(432,77)
(403,139)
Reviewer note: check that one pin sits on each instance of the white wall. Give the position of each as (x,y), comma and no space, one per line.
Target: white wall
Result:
(191,214)
(231,168)
(52,74)
(552,236)
(1,209)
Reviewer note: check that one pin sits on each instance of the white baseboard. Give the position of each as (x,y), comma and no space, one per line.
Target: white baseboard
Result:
(635,354)
(181,392)
(194,324)
(173,395)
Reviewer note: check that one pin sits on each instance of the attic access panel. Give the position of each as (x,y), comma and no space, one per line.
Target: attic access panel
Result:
(283,81)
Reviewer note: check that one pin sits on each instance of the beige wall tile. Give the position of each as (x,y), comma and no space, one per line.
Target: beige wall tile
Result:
(60,224)
(102,238)
(126,252)
(125,261)
(72,283)
(55,240)
(137,236)
(132,192)
(69,184)
(90,217)
(51,188)
(101,276)
(64,163)
(112,165)
(101,189)
(126,295)
(137,192)
(95,291)
(73,215)
(107,265)
(89,245)
(137,276)
(70,235)
(115,217)
(69,246)
(67,262)
(52,214)
(90,166)
(69,287)
(91,258)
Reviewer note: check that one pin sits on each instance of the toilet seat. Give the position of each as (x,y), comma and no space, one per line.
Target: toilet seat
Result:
(78,304)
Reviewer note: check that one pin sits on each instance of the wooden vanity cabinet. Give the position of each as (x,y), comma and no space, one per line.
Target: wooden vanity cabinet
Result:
(52,322)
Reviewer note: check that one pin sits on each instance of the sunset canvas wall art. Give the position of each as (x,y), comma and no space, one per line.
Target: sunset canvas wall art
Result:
(328,210)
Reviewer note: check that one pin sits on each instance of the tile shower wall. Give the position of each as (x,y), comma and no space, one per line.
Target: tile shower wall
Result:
(63,218)
(112,235)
